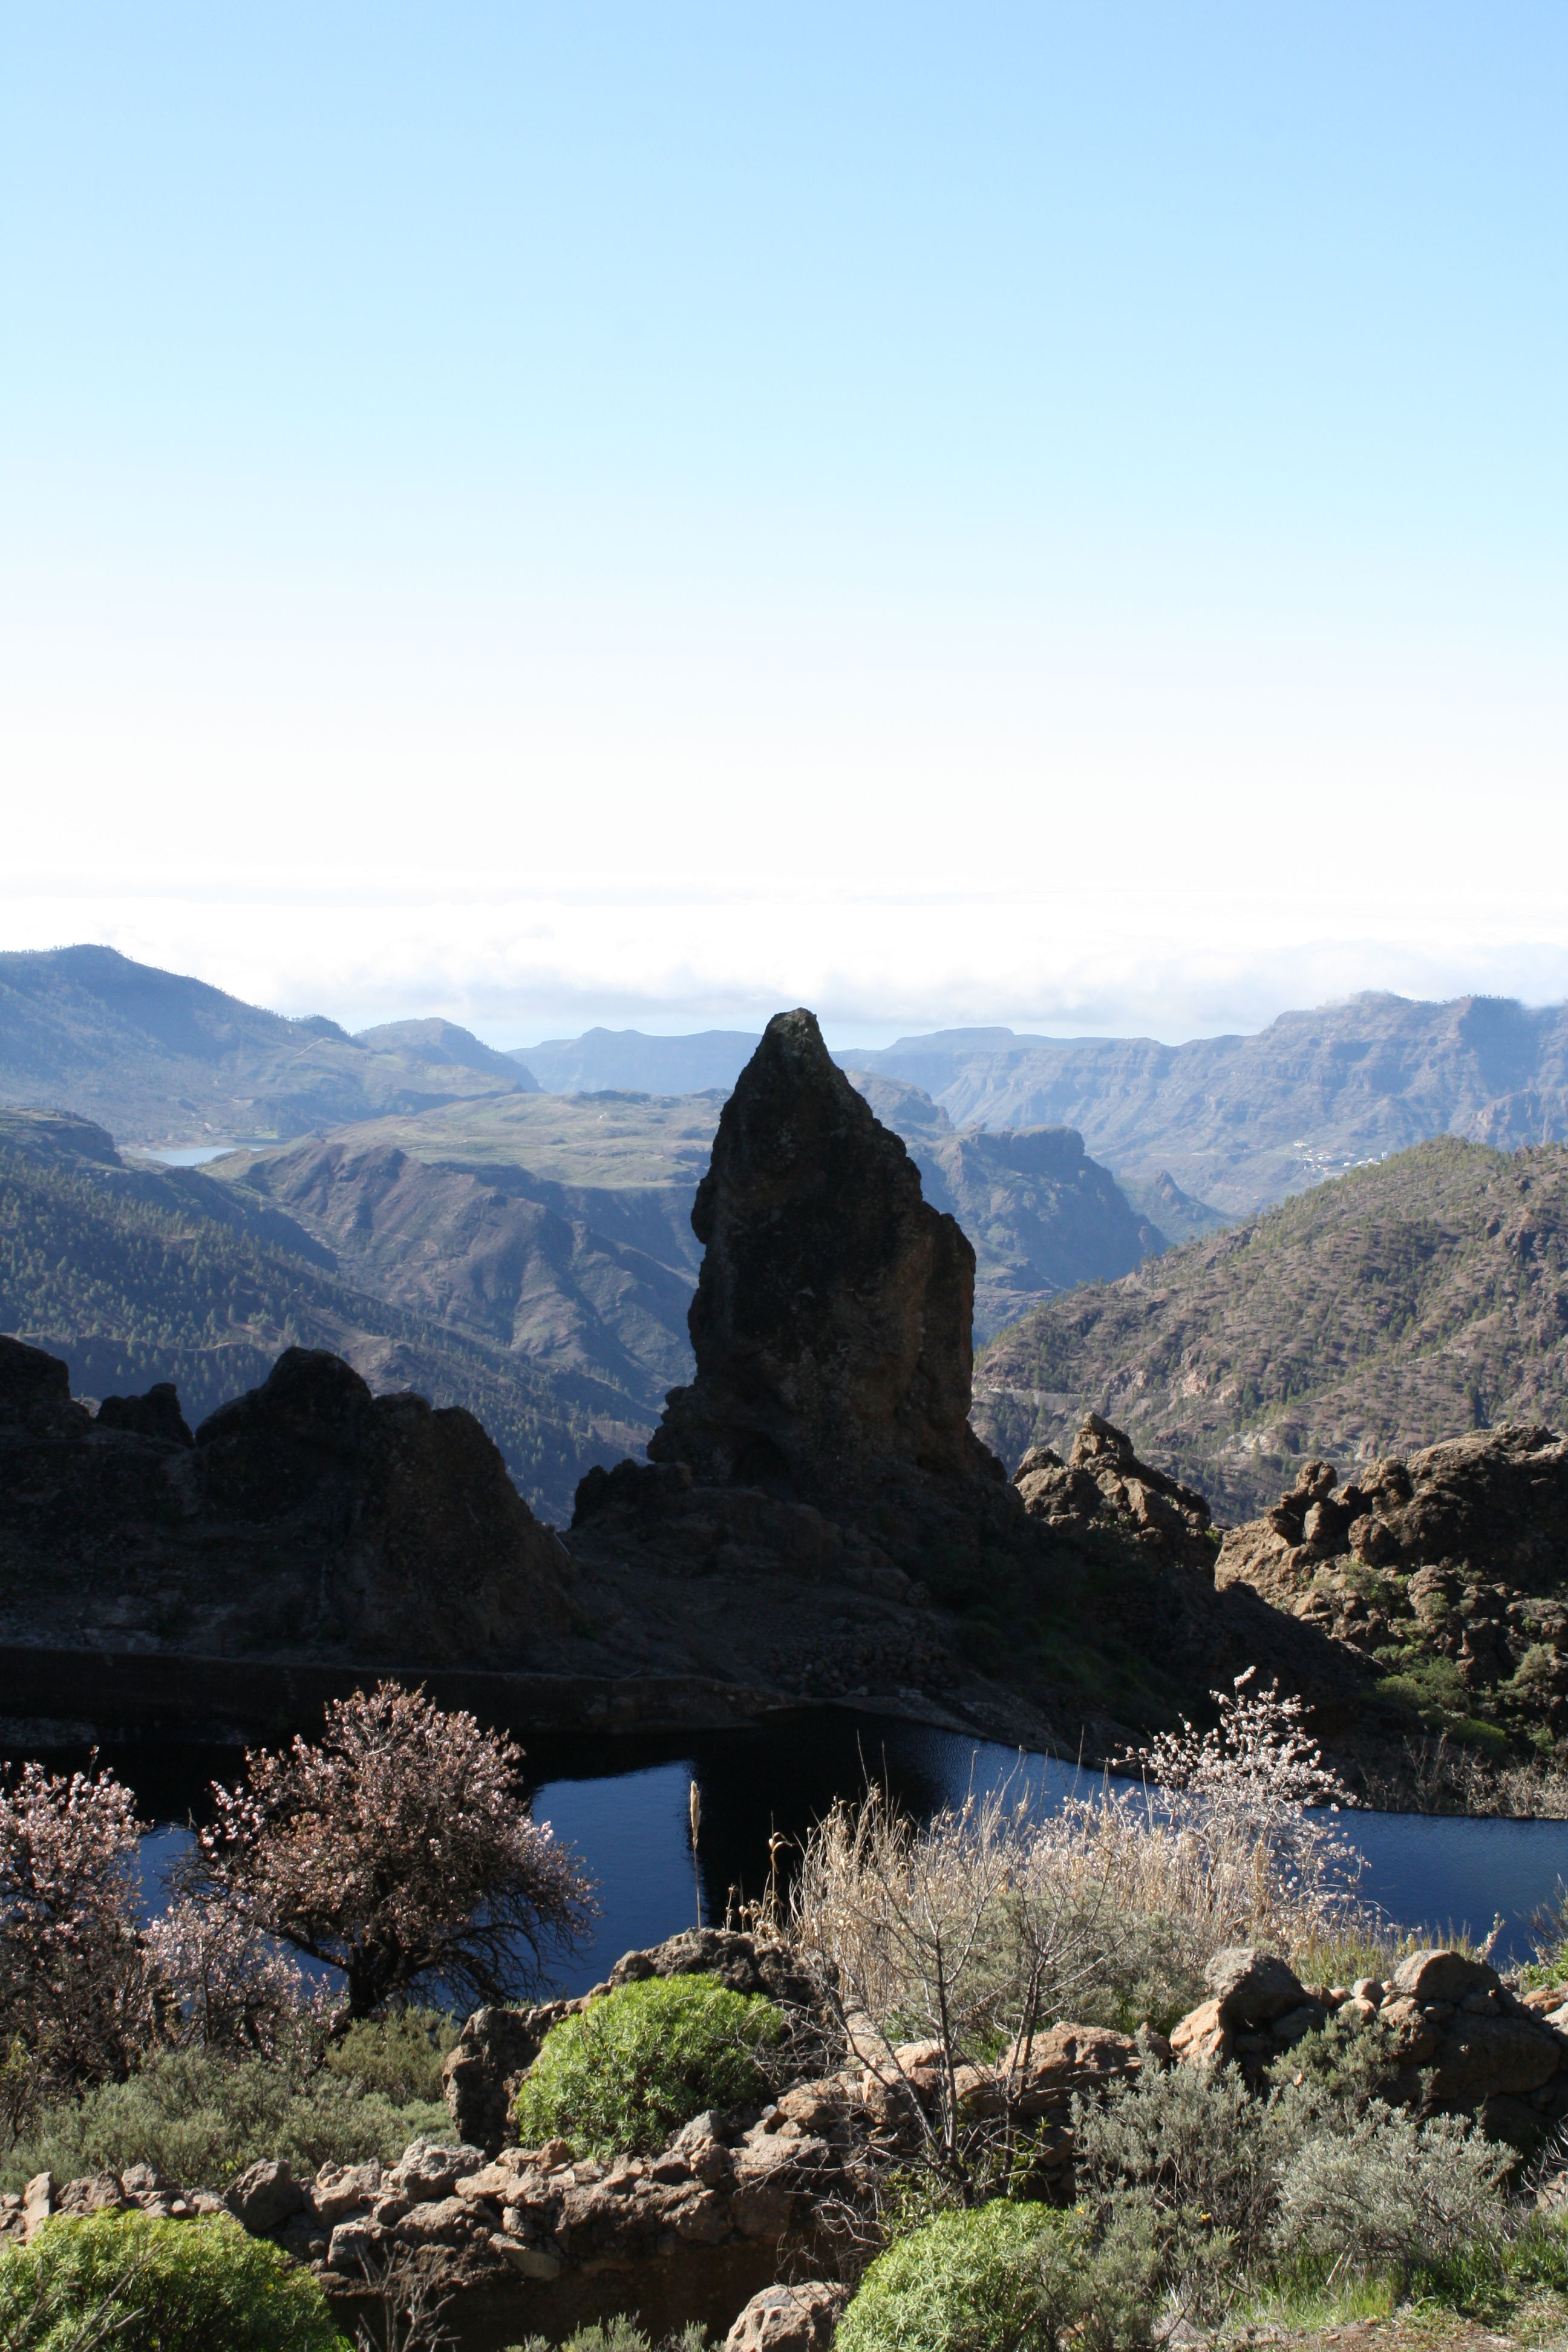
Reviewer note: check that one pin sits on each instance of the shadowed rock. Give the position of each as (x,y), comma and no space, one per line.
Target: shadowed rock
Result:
(307,1517)
(832,1320)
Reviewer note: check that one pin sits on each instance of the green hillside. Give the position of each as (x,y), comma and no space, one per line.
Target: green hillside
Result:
(135,1277)
(1403,1303)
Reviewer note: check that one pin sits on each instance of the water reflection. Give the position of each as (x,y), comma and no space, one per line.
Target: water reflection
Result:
(622,1804)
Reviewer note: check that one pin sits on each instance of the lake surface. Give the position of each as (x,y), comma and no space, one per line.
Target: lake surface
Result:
(189,1155)
(622,1803)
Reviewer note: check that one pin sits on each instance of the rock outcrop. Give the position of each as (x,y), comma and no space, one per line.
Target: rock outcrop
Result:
(1102,1482)
(832,1320)
(307,1518)
(1451,2035)
(1455,1554)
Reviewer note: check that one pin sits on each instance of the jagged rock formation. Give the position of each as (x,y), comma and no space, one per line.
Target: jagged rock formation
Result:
(1103,1483)
(306,1518)
(832,1320)
(1448,1570)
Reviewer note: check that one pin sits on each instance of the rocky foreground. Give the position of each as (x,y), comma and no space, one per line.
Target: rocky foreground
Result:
(706,2228)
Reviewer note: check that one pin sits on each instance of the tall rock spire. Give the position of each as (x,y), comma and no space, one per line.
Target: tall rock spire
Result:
(832,1320)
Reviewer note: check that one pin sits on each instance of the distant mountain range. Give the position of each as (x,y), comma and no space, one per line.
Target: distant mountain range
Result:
(1402,1304)
(1241,1121)
(161,1059)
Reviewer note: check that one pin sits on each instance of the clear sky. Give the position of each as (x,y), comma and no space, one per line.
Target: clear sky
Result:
(1050,514)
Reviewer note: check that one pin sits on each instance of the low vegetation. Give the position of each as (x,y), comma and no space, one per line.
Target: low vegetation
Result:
(622,2074)
(137,2284)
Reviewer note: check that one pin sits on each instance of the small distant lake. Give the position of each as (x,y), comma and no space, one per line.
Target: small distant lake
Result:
(622,1803)
(189,1156)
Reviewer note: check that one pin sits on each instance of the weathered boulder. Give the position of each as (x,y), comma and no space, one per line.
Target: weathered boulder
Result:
(1252,1987)
(789,2318)
(832,1320)
(265,2196)
(307,1517)
(1045,2072)
(429,2172)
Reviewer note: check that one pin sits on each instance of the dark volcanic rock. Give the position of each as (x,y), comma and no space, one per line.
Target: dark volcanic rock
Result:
(1465,1542)
(832,1320)
(1103,1481)
(310,1518)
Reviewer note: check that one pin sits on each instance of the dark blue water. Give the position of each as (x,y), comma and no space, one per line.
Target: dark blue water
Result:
(622,1804)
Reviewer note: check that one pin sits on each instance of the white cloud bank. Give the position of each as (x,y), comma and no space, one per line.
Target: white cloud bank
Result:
(517,962)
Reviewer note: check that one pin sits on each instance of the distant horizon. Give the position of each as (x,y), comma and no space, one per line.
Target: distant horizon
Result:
(841,1036)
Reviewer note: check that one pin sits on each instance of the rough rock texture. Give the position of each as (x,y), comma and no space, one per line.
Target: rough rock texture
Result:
(1456,1553)
(307,1518)
(1455,2038)
(832,1320)
(789,2319)
(1103,1479)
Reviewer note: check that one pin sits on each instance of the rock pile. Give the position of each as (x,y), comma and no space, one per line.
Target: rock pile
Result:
(1455,2038)
(306,1517)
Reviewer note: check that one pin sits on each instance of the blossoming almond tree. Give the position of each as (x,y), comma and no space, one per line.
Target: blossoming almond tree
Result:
(76,1990)
(397,1848)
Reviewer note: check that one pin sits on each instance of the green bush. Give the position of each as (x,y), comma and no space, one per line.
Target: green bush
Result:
(201,2117)
(397,2057)
(622,2075)
(146,2285)
(994,2280)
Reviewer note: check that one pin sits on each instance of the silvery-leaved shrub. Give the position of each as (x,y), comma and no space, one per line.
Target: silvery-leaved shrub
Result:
(1393,2194)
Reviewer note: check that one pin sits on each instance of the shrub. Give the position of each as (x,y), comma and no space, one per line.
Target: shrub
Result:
(619,2335)
(1392,2194)
(634,2065)
(992,2280)
(397,2057)
(146,2285)
(201,2117)
(1193,2160)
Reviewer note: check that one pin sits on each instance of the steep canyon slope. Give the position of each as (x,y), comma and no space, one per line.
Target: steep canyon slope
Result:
(1402,1304)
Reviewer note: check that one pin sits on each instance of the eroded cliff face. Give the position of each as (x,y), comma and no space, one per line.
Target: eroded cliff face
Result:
(307,1518)
(832,1320)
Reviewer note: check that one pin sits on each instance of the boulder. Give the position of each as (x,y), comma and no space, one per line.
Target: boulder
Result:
(1252,1987)
(789,2319)
(265,2196)
(1431,1976)
(343,2189)
(479,2075)
(429,2172)
(1202,2038)
(99,2192)
(1042,2075)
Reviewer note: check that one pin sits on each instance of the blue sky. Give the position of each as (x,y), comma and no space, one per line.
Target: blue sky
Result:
(1050,514)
